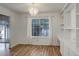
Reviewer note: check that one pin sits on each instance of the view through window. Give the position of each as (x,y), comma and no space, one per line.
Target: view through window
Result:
(40,27)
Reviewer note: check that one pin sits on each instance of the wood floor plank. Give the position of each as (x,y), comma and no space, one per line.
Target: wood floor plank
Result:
(35,50)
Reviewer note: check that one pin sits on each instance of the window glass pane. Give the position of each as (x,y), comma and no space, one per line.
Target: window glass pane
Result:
(44,21)
(32,31)
(37,31)
(44,32)
(35,22)
(44,27)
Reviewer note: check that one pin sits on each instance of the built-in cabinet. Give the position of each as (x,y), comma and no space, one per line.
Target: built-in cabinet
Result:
(69,44)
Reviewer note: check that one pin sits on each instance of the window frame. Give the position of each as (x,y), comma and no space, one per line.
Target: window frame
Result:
(48,26)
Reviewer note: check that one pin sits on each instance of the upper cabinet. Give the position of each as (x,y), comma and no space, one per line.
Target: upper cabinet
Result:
(69,17)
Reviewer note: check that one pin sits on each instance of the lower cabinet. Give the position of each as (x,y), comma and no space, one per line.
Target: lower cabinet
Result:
(67,51)
(62,48)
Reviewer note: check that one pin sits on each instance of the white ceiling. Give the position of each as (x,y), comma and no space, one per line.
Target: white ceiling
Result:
(43,7)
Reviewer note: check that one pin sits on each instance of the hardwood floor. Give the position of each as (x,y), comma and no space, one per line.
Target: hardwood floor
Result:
(35,50)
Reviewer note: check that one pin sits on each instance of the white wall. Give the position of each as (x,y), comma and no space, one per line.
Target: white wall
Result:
(13,24)
(20,26)
(25,33)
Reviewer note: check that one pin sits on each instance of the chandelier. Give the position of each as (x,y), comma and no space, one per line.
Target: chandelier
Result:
(33,10)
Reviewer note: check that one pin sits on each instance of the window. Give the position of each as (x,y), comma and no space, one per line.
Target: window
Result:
(40,27)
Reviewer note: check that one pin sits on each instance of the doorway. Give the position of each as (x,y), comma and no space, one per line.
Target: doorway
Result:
(4,35)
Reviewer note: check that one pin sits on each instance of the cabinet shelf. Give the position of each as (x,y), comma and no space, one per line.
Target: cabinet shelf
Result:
(69,28)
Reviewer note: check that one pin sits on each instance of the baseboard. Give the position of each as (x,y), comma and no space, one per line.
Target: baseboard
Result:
(32,44)
(15,46)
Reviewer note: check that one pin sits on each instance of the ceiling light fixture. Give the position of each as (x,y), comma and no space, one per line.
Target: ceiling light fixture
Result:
(33,10)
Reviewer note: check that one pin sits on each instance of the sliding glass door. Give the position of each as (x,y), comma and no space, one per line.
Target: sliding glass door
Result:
(4,35)
(4,32)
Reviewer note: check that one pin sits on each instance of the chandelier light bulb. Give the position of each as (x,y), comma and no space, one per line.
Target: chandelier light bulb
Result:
(33,11)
